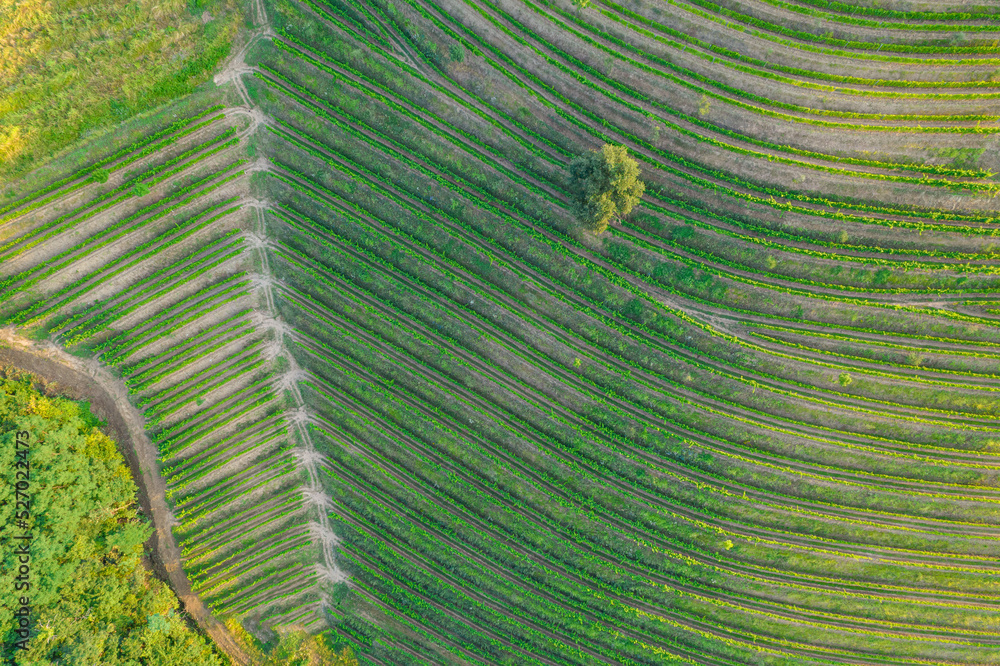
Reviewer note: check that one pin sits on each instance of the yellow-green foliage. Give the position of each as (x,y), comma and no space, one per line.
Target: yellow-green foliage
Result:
(295,648)
(92,602)
(68,66)
(291,648)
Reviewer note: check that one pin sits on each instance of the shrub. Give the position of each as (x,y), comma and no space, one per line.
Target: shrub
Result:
(99,176)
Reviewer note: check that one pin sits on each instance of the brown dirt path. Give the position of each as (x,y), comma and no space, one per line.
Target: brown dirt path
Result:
(86,379)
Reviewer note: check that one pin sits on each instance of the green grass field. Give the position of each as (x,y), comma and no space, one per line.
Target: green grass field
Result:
(70,69)
(404,399)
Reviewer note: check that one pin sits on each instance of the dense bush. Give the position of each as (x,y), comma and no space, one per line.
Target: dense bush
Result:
(92,600)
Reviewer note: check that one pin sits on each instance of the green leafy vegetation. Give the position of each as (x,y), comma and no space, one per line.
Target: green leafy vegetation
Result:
(410,408)
(293,648)
(92,600)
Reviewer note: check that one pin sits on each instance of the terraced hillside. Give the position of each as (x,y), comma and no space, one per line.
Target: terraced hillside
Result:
(755,423)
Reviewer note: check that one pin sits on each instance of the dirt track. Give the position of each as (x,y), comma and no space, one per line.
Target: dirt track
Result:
(86,379)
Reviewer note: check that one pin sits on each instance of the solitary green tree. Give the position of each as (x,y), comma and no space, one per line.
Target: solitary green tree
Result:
(604,186)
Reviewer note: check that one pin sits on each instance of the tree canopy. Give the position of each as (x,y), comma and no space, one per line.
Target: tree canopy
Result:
(604,186)
(91,599)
